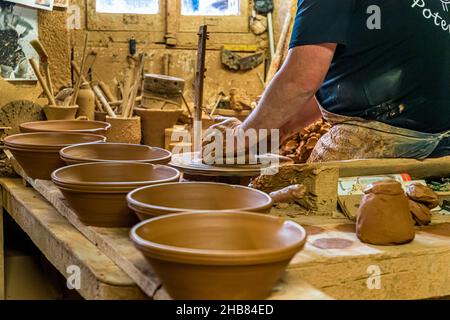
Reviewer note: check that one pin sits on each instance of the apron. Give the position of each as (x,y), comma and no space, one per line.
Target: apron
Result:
(357,138)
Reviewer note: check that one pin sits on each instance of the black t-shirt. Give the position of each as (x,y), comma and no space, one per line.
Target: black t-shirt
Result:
(398,74)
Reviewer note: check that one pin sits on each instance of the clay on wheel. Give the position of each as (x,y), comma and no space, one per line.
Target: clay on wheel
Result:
(384,216)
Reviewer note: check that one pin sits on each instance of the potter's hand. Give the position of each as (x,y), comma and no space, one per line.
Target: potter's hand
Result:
(214,140)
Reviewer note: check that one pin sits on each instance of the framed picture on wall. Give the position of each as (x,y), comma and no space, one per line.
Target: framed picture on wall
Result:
(39,4)
(18,26)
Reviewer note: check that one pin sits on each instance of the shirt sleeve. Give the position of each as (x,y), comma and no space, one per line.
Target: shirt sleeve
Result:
(321,21)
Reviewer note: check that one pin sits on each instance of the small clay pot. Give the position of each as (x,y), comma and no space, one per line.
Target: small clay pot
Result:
(219,256)
(74,126)
(124,130)
(155,123)
(60,112)
(97,191)
(107,152)
(38,153)
(157,200)
(384,216)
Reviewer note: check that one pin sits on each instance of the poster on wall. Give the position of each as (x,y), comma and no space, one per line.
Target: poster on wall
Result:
(18,26)
(39,4)
(127,6)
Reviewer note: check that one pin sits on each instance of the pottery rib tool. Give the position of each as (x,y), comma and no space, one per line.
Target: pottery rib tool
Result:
(43,57)
(199,87)
(98,92)
(83,63)
(50,97)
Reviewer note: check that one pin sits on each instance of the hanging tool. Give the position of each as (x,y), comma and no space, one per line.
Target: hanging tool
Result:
(266,7)
(199,86)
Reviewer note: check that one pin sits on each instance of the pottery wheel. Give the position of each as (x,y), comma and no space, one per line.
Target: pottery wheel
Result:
(187,163)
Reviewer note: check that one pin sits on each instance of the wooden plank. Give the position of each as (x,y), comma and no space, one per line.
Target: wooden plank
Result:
(419,270)
(64,246)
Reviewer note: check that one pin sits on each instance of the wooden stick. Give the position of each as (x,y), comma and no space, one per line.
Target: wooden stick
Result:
(119,102)
(186,104)
(83,63)
(51,99)
(104,102)
(106,91)
(128,112)
(277,60)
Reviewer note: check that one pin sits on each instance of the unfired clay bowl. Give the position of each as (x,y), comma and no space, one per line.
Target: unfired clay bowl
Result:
(106,152)
(97,191)
(218,256)
(38,153)
(80,126)
(162,199)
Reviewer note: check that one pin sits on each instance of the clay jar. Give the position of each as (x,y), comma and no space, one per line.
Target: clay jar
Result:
(124,130)
(97,191)
(154,124)
(60,112)
(86,101)
(384,216)
(218,256)
(38,153)
(78,126)
(107,152)
(152,201)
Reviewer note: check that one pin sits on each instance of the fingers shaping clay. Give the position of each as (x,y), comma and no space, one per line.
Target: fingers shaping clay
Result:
(420,213)
(384,216)
(423,194)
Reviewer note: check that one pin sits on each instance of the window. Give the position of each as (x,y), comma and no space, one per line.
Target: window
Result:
(210,7)
(128,6)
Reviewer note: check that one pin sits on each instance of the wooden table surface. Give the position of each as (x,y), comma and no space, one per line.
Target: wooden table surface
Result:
(333,265)
(63,245)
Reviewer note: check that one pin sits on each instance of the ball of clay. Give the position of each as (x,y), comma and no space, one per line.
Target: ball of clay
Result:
(384,216)
(420,213)
(423,194)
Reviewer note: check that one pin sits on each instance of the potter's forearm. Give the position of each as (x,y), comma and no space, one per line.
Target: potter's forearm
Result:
(293,87)
(311,113)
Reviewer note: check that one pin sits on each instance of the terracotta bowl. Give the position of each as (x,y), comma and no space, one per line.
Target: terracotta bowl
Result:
(218,256)
(97,191)
(104,152)
(79,126)
(38,153)
(157,200)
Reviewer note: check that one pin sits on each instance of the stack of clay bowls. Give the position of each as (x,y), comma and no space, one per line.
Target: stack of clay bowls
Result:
(105,152)
(152,201)
(38,153)
(218,255)
(97,191)
(78,126)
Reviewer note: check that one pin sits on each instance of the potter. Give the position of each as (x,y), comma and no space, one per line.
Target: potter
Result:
(188,310)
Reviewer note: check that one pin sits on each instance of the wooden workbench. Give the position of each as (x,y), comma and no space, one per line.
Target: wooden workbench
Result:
(63,245)
(340,269)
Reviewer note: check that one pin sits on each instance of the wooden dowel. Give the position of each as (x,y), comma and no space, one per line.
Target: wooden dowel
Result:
(106,91)
(51,99)
(104,102)
(79,80)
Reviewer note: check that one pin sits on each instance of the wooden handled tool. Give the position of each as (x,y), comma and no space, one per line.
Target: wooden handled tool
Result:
(98,92)
(43,57)
(79,80)
(50,97)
